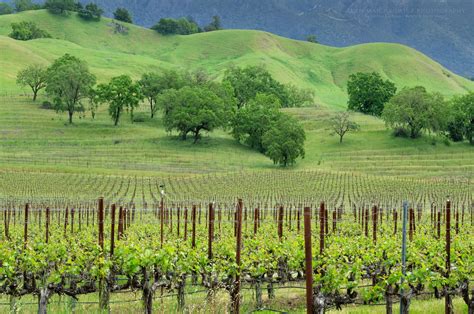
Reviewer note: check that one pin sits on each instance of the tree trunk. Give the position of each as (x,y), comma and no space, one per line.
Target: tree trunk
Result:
(270,290)
(43,298)
(388,300)
(35,93)
(340,138)
(405,300)
(116,120)
(181,287)
(104,296)
(70,116)
(13,305)
(147,293)
(258,294)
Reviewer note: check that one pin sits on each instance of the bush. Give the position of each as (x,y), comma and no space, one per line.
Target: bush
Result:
(91,12)
(47,105)
(400,132)
(139,119)
(27,31)
(180,26)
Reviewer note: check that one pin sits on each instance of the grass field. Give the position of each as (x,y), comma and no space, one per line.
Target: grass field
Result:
(39,139)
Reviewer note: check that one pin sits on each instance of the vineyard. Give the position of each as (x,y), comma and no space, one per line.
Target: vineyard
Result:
(341,233)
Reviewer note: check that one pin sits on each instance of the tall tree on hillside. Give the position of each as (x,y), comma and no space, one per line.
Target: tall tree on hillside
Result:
(312,39)
(68,83)
(24,5)
(215,24)
(34,76)
(122,14)
(121,93)
(90,12)
(461,124)
(60,6)
(5,8)
(152,84)
(341,124)
(415,110)
(251,122)
(193,110)
(249,81)
(368,92)
(284,141)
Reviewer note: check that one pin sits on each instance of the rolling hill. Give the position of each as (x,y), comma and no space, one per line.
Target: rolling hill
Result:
(322,68)
(439,28)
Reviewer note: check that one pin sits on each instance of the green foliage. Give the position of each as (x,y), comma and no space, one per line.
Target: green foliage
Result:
(152,84)
(215,24)
(182,26)
(90,12)
(122,14)
(341,124)
(120,93)
(414,109)
(368,92)
(60,6)
(297,97)
(192,110)
(284,142)
(251,122)
(68,83)
(461,124)
(34,76)
(27,31)
(5,8)
(312,39)
(249,81)
(25,5)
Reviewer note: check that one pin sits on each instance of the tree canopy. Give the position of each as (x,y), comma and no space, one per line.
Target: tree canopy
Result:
(182,26)
(193,109)
(120,93)
(214,25)
(461,123)
(27,31)
(34,76)
(5,8)
(415,110)
(368,92)
(341,124)
(251,122)
(284,141)
(122,14)
(249,81)
(90,12)
(60,6)
(68,83)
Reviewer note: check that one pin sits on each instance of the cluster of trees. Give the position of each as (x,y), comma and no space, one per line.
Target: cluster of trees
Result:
(185,26)
(18,6)
(247,102)
(412,111)
(27,31)
(90,11)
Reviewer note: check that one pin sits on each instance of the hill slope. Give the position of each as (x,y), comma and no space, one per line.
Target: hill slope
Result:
(321,68)
(441,29)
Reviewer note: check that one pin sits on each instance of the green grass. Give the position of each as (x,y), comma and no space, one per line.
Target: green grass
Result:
(40,140)
(321,68)
(37,139)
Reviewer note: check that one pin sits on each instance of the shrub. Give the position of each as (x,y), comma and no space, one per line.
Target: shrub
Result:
(27,31)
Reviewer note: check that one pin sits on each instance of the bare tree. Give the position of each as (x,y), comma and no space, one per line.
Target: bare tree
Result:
(341,124)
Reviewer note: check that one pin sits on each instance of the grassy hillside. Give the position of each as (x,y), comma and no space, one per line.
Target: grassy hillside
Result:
(38,139)
(321,68)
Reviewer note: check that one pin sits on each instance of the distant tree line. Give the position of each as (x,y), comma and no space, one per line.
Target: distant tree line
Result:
(412,111)
(246,102)
(185,26)
(92,12)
